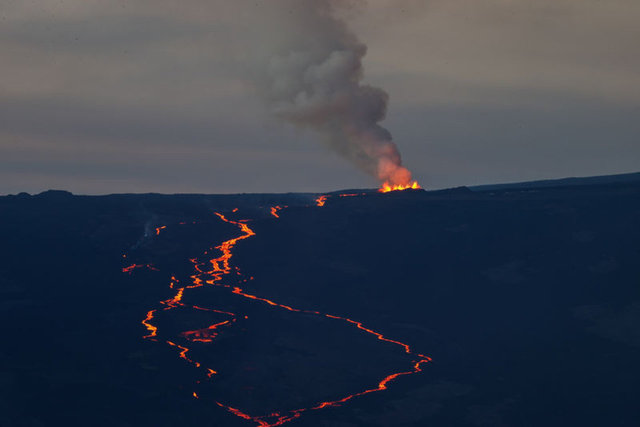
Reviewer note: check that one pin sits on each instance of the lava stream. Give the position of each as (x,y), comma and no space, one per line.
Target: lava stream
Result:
(219,268)
(274,210)
(129,269)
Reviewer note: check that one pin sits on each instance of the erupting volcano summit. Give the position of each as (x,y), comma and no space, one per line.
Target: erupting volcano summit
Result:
(317,84)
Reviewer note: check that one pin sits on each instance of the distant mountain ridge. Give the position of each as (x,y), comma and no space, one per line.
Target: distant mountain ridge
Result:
(633,177)
(563,182)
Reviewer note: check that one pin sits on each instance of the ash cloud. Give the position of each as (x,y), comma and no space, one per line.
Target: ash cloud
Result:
(316,83)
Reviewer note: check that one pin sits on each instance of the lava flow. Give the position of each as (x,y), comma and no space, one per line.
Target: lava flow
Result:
(212,273)
(129,269)
(274,210)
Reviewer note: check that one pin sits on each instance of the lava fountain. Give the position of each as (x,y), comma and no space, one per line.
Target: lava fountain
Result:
(387,187)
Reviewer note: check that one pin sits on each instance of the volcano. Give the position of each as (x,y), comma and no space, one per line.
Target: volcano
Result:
(496,305)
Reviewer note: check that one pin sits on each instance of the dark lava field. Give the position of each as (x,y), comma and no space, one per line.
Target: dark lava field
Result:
(506,305)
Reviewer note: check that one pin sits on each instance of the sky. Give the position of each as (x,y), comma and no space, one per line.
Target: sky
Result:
(101,97)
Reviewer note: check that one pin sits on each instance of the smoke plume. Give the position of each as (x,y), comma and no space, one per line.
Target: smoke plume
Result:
(316,83)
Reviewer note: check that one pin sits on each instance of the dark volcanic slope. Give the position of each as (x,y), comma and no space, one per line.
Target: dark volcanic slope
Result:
(528,301)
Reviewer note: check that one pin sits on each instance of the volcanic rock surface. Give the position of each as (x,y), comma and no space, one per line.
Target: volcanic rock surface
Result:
(526,297)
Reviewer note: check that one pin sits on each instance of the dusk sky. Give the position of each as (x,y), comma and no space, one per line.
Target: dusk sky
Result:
(163,96)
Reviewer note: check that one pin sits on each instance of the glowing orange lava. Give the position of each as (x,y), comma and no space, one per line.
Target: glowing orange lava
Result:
(206,334)
(274,210)
(153,331)
(386,187)
(320,201)
(212,273)
(132,267)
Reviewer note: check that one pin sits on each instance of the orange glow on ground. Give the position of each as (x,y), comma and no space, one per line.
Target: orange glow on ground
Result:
(320,201)
(153,331)
(212,273)
(175,301)
(386,187)
(274,210)
(132,267)
(205,334)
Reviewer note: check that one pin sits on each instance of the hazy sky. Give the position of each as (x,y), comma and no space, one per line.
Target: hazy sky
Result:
(103,96)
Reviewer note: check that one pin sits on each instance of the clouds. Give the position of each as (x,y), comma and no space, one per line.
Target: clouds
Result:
(124,75)
(582,49)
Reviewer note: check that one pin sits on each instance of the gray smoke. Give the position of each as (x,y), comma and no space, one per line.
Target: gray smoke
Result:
(316,83)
